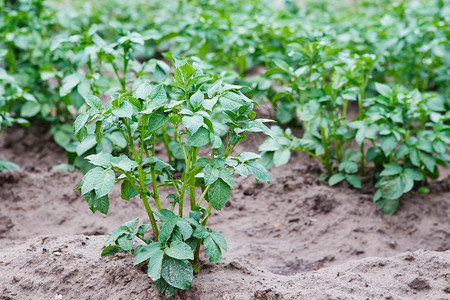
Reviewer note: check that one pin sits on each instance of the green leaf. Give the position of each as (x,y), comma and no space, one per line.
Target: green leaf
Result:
(227,176)
(167,228)
(155,265)
(258,171)
(212,250)
(69,82)
(391,187)
(63,167)
(184,73)
(101,159)
(408,183)
(436,104)
(402,151)
(192,123)
(93,102)
(95,203)
(391,169)
(87,144)
(179,250)
(219,193)
(185,228)
(164,214)
(166,289)
(124,111)
(142,229)
(242,170)
(124,163)
(147,252)
(219,239)
(7,165)
(439,146)
(79,123)
(158,95)
(157,119)
(336,178)
(232,101)
(199,138)
(423,190)
(383,89)
(197,99)
(246,156)
(177,273)
(428,160)
(414,174)
(388,143)
(132,224)
(30,109)
(354,181)
(388,206)
(281,157)
(143,91)
(98,132)
(100,180)
(126,242)
(110,250)
(116,233)
(360,136)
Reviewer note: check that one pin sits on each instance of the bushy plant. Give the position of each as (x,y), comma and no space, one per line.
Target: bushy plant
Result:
(187,105)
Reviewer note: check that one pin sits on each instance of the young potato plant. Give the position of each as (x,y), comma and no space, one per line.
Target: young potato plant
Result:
(186,105)
(319,94)
(410,139)
(11,95)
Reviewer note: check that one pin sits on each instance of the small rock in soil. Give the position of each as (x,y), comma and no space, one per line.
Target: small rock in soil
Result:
(419,284)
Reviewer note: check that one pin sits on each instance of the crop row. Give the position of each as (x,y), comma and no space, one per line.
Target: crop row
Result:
(368,84)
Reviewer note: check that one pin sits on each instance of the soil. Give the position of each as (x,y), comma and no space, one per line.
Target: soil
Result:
(296,238)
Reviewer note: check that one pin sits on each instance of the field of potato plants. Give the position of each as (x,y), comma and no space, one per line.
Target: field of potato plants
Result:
(225,149)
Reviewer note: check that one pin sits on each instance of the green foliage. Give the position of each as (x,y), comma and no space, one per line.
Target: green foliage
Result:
(183,110)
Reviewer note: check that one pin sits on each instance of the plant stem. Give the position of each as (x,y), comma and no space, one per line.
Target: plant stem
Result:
(166,144)
(200,200)
(125,67)
(117,75)
(363,159)
(152,171)
(197,249)
(186,179)
(192,179)
(326,153)
(141,181)
(11,58)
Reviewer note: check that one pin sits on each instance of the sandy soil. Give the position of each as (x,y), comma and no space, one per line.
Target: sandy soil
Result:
(296,238)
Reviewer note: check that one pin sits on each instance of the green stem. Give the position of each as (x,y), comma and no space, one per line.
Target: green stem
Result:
(192,178)
(166,144)
(326,153)
(200,200)
(186,179)
(197,249)
(344,112)
(117,75)
(141,181)
(146,205)
(363,159)
(229,150)
(11,58)
(155,186)
(125,67)
(361,98)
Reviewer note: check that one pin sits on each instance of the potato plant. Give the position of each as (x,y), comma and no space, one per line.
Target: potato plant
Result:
(171,249)
(407,132)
